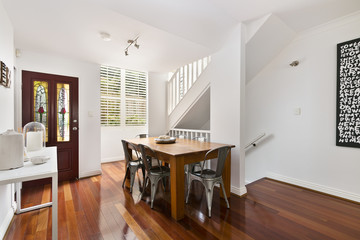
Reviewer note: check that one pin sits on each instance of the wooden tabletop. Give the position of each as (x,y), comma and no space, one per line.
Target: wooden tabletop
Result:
(180,147)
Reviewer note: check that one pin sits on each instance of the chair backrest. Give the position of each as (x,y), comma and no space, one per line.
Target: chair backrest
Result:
(181,136)
(142,135)
(145,152)
(201,139)
(128,156)
(222,155)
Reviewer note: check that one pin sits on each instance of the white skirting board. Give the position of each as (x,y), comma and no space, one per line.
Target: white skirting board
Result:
(238,191)
(316,187)
(90,174)
(6,222)
(113,159)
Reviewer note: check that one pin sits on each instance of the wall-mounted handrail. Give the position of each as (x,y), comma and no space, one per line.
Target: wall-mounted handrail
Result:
(254,142)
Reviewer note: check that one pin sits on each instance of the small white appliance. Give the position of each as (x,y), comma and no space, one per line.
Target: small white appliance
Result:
(11,150)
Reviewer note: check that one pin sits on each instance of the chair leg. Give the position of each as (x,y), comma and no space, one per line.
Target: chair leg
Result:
(164,183)
(143,171)
(126,173)
(209,187)
(132,177)
(146,180)
(223,188)
(154,183)
(187,174)
(188,191)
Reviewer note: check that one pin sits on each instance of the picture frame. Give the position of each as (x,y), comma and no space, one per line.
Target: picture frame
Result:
(348,94)
(5,75)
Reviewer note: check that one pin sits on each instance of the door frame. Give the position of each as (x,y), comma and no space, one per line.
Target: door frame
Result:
(28,114)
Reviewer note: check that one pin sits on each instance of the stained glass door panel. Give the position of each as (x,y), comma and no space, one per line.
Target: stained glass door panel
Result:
(41,104)
(63,114)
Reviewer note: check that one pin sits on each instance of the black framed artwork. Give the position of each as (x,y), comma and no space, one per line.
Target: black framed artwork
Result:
(4,75)
(348,94)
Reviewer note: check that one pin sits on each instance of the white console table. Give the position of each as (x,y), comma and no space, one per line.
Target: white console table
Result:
(34,172)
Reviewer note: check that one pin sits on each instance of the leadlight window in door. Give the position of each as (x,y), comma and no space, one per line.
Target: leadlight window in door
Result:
(41,104)
(63,112)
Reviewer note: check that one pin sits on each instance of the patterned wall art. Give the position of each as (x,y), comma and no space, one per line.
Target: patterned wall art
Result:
(5,75)
(348,94)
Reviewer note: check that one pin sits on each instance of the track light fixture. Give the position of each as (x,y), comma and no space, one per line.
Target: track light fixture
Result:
(294,63)
(132,42)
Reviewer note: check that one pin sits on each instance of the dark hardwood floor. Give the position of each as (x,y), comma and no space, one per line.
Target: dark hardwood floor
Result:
(99,208)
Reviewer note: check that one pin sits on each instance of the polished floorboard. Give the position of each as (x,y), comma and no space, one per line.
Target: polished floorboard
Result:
(99,208)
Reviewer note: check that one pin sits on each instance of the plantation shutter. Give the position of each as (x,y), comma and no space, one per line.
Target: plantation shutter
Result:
(135,98)
(110,96)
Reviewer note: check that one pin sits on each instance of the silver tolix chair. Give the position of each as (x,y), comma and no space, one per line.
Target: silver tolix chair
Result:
(152,173)
(132,165)
(209,177)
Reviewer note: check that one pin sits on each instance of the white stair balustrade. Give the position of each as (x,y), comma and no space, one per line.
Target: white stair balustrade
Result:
(202,135)
(182,80)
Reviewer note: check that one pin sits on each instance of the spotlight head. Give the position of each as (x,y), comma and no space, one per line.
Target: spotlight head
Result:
(126,53)
(294,63)
(136,45)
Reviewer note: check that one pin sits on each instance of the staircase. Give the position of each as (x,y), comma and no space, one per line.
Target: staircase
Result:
(188,91)
(185,88)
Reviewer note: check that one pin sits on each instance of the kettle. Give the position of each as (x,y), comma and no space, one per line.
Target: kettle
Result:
(11,150)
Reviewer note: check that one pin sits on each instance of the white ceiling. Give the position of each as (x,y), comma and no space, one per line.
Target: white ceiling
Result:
(172,32)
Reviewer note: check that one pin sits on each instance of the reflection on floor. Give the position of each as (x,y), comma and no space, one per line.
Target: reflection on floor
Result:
(99,208)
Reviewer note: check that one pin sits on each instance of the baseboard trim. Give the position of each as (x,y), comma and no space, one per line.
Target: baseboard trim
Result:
(90,173)
(238,191)
(113,159)
(316,187)
(6,222)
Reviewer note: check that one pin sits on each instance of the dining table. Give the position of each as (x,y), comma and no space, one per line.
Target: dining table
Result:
(178,154)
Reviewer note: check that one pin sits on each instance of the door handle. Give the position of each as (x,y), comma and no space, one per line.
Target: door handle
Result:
(75,128)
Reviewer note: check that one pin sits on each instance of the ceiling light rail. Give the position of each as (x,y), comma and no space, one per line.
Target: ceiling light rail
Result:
(132,42)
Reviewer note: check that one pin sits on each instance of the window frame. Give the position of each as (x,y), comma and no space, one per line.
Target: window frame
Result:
(142,89)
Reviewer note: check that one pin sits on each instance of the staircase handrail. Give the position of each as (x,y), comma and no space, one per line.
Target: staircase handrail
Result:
(254,142)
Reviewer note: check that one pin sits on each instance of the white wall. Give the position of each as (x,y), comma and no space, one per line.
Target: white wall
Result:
(301,149)
(89,101)
(227,96)
(111,148)
(157,103)
(7,110)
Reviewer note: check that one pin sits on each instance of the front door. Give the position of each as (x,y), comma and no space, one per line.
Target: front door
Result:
(53,101)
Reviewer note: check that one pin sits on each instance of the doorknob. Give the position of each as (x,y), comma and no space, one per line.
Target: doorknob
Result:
(75,128)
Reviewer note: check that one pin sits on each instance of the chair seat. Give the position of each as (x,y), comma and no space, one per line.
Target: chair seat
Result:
(157,171)
(135,163)
(206,173)
(209,177)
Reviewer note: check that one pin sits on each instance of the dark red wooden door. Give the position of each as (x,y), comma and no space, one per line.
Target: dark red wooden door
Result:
(53,100)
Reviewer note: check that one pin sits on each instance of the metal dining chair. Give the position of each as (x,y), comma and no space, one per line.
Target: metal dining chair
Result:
(209,177)
(132,165)
(142,135)
(181,136)
(190,167)
(152,173)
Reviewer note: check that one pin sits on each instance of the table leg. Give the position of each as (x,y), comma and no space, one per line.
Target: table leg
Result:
(18,197)
(227,176)
(177,187)
(54,189)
